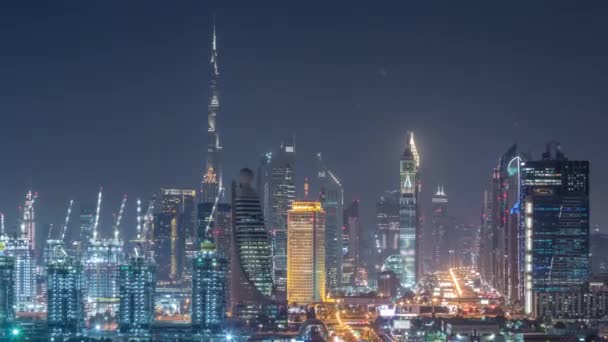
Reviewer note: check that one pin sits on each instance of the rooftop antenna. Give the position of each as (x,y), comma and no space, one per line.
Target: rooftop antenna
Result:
(67,220)
(97,214)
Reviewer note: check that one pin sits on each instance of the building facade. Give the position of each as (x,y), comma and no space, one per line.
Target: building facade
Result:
(25,278)
(442,226)
(251,260)
(175,224)
(7,287)
(281,192)
(209,291)
(137,286)
(387,226)
(306,274)
(555,197)
(65,298)
(332,200)
(410,231)
(352,230)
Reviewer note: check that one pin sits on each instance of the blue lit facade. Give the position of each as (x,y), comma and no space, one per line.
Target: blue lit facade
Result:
(555,196)
(137,286)
(65,298)
(209,291)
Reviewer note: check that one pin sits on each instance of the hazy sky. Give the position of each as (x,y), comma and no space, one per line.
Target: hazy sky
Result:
(114,93)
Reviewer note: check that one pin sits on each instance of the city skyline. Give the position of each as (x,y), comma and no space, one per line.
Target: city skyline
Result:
(370,247)
(112,156)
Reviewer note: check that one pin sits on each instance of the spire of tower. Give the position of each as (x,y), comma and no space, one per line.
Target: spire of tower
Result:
(212,174)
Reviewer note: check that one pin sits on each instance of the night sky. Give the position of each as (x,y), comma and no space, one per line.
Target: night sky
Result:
(114,93)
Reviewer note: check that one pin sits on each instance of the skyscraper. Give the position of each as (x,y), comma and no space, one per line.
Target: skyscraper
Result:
(409,224)
(555,198)
(101,263)
(7,287)
(209,272)
(442,232)
(352,228)
(332,201)
(174,224)
(137,285)
(306,253)
(25,279)
(251,253)
(65,298)
(387,225)
(212,177)
(281,194)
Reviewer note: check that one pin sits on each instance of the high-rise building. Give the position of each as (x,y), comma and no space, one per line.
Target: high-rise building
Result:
(352,228)
(208,310)
(7,287)
(101,263)
(332,201)
(137,286)
(306,253)
(251,260)
(65,298)
(511,230)
(409,221)
(442,233)
(491,245)
(25,279)
(387,225)
(175,224)
(212,183)
(281,194)
(555,206)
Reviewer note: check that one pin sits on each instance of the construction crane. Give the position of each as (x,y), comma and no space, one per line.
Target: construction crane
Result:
(119,217)
(67,220)
(96,224)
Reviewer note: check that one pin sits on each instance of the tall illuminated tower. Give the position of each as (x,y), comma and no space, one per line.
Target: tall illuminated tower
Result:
(65,298)
(409,224)
(281,192)
(175,225)
(555,208)
(137,285)
(251,252)
(332,201)
(306,253)
(212,177)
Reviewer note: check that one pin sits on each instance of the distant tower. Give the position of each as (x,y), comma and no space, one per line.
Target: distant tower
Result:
(352,228)
(306,253)
(65,298)
(251,253)
(387,222)
(209,292)
(409,227)
(332,201)
(212,177)
(137,286)
(441,247)
(174,225)
(282,193)
(7,287)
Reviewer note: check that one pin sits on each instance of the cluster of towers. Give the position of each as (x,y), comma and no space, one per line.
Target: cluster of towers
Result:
(535,229)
